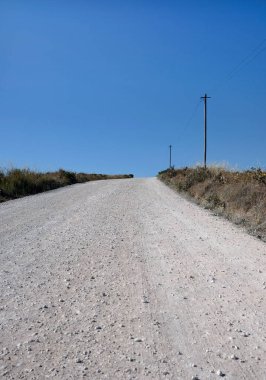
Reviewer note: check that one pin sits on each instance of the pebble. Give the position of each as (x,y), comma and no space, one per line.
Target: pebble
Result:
(138,340)
(220,373)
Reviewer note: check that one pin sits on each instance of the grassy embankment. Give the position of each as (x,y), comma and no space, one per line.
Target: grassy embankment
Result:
(16,183)
(240,196)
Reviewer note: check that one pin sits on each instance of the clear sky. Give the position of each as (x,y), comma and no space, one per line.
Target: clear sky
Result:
(106,86)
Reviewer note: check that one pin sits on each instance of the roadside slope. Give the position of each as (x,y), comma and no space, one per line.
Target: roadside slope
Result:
(127,280)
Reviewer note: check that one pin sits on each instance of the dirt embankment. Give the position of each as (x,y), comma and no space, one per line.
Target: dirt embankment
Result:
(239,196)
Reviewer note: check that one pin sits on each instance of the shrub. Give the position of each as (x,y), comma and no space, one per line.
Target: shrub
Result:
(17,183)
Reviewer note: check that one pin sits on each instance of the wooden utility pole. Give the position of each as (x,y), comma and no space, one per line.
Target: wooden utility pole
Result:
(205,97)
(170,151)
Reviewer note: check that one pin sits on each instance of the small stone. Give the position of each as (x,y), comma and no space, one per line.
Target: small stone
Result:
(138,340)
(220,373)
(234,357)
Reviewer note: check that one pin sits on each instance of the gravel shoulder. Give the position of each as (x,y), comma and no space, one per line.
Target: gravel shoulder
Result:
(125,279)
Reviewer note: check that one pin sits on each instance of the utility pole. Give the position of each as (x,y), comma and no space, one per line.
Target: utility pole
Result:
(170,151)
(205,97)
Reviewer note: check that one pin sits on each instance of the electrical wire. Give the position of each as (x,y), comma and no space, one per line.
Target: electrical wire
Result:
(260,48)
(193,114)
(249,58)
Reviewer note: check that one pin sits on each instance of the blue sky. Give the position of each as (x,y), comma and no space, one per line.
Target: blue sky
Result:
(106,86)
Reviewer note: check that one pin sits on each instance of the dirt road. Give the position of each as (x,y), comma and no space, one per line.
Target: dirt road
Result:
(124,279)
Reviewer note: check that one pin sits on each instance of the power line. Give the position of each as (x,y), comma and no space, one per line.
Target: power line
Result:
(248,59)
(191,117)
(260,48)
(193,114)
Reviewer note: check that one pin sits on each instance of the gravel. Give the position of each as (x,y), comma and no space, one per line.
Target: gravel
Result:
(125,279)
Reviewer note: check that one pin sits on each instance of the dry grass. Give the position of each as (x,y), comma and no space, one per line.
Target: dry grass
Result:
(238,195)
(16,183)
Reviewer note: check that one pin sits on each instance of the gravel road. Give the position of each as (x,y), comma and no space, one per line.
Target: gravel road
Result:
(125,279)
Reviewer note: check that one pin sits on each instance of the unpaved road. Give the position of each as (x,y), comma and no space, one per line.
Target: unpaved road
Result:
(124,279)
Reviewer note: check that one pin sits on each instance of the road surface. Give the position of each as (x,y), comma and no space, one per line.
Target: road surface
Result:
(125,279)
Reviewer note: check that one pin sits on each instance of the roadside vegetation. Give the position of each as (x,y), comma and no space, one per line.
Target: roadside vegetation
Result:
(16,183)
(240,196)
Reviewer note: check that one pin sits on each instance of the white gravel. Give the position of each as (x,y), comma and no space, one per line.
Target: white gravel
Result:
(125,279)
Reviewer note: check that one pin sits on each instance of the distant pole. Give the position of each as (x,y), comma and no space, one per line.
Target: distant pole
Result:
(205,97)
(170,151)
